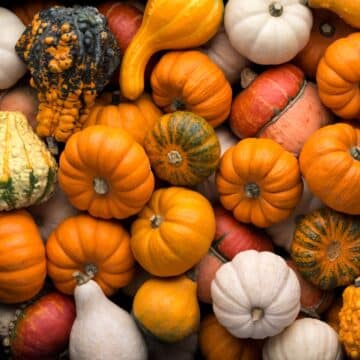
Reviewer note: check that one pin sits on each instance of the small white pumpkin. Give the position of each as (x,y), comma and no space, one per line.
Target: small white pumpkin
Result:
(307,338)
(268,31)
(255,295)
(11,66)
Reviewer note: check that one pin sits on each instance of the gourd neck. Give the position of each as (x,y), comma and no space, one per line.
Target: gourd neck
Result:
(101,186)
(276,9)
(327,29)
(174,158)
(355,152)
(257,314)
(252,190)
(156,221)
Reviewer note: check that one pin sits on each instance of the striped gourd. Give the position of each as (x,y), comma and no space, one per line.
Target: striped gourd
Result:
(27,169)
(326,248)
(183,148)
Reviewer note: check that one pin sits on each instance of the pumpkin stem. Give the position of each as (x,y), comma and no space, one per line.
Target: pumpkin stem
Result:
(52,145)
(192,274)
(276,9)
(156,221)
(81,278)
(247,76)
(174,157)
(177,105)
(101,186)
(357,282)
(327,29)
(257,314)
(252,190)
(333,250)
(355,152)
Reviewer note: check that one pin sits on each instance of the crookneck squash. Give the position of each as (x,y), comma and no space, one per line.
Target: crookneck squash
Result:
(189,80)
(259,181)
(28,171)
(325,248)
(183,148)
(71,55)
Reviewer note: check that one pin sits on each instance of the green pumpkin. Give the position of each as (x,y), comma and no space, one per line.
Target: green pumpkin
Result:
(27,169)
(183,148)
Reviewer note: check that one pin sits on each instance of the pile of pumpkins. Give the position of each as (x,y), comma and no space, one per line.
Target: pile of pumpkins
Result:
(200,157)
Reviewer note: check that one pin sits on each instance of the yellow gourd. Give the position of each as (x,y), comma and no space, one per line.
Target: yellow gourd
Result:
(175,24)
(348,10)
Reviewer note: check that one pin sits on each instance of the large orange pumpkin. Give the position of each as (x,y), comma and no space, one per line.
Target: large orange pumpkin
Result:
(95,247)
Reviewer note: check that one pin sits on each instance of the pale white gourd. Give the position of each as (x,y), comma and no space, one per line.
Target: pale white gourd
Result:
(282,232)
(268,31)
(102,330)
(255,295)
(307,338)
(222,53)
(11,66)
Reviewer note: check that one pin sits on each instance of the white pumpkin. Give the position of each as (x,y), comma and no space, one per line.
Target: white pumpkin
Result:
(102,330)
(268,31)
(255,295)
(11,66)
(307,338)
(222,53)
(282,232)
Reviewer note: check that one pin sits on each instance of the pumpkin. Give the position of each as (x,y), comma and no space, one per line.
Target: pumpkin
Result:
(325,248)
(335,147)
(177,312)
(309,339)
(11,67)
(348,10)
(331,315)
(115,335)
(259,181)
(268,32)
(99,248)
(189,80)
(278,104)
(327,28)
(183,148)
(137,117)
(22,261)
(28,174)
(70,61)
(104,171)
(255,295)
(337,82)
(157,235)
(177,24)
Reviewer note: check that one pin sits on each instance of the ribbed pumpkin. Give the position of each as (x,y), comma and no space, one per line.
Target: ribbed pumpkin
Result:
(28,171)
(137,117)
(330,163)
(189,80)
(183,148)
(259,181)
(98,248)
(104,171)
(22,257)
(173,231)
(326,247)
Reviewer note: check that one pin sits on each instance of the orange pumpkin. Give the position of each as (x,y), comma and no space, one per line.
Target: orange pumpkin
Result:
(259,181)
(104,171)
(189,80)
(98,248)
(22,257)
(137,117)
(330,163)
(338,77)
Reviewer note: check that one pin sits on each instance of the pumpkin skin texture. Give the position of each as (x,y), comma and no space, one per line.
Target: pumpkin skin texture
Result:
(325,247)
(256,295)
(337,82)
(259,181)
(183,148)
(96,247)
(278,104)
(268,32)
(157,235)
(335,147)
(22,260)
(216,343)
(137,117)
(176,25)
(327,28)
(28,172)
(189,80)
(116,188)
(177,312)
(309,339)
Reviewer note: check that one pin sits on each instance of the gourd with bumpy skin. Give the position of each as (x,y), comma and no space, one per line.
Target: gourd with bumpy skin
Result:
(71,55)
(28,170)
